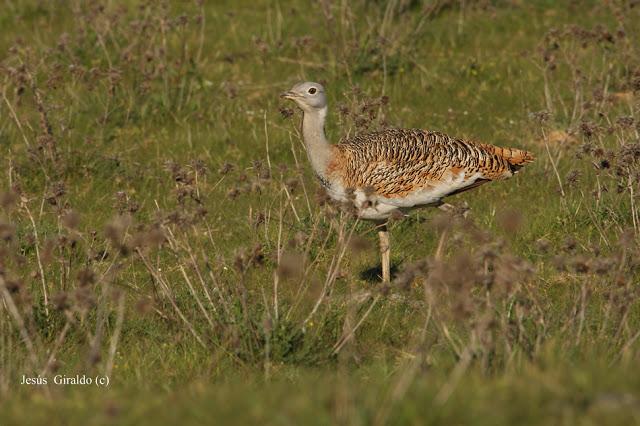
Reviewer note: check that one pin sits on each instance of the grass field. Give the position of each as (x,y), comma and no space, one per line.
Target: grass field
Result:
(160,225)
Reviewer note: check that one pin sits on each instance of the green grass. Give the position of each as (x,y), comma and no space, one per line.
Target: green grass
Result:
(165,136)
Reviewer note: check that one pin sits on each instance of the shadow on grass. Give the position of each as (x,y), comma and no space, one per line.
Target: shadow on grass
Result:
(374,274)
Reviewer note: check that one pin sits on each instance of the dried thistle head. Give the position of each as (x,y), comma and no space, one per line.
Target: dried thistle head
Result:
(156,237)
(84,298)
(510,271)
(510,220)
(8,200)
(257,255)
(290,265)
(410,273)
(115,231)
(143,306)
(86,277)
(573,178)
(61,301)
(543,245)
(257,219)
(580,264)
(541,117)
(442,222)
(14,286)
(322,197)
(286,113)
(292,184)
(298,240)
(70,219)
(226,168)
(349,208)
(7,231)
(233,193)
(569,244)
(397,215)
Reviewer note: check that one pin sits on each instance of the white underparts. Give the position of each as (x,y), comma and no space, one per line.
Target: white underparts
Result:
(375,207)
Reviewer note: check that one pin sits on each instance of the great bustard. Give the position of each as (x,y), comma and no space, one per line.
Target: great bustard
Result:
(396,169)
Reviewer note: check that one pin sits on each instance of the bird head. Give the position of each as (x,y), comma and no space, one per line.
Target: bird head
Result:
(309,96)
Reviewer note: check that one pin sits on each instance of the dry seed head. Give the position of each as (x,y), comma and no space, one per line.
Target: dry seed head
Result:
(84,298)
(602,266)
(541,116)
(7,231)
(510,271)
(322,197)
(349,208)
(258,219)
(457,273)
(625,122)
(143,306)
(233,193)
(14,285)
(292,184)
(627,239)
(286,112)
(226,168)
(570,244)
(397,216)
(70,219)
(240,260)
(559,262)
(589,129)
(290,266)
(442,222)
(298,240)
(409,274)
(543,245)
(61,301)
(115,229)
(8,200)
(256,187)
(257,255)
(199,166)
(86,277)
(510,220)
(580,264)
(94,357)
(155,237)
(47,251)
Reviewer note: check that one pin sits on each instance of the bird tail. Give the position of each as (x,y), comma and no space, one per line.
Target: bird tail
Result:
(517,158)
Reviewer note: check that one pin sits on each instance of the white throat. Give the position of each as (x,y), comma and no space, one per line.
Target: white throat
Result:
(315,141)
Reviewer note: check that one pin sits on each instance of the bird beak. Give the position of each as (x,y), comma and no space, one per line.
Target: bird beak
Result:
(288,95)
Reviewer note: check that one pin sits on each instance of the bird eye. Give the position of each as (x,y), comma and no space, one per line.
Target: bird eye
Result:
(312,91)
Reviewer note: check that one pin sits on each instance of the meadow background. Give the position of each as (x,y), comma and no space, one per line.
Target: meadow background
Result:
(159,223)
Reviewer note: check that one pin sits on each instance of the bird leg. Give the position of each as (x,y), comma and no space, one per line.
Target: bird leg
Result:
(385,253)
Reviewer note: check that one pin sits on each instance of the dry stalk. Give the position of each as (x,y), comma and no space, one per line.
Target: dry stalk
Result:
(115,336)
(15,313)
(167,291)
(40,267)
(345,338)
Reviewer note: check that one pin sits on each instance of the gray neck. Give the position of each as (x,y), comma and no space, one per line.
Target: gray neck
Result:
(318,148)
